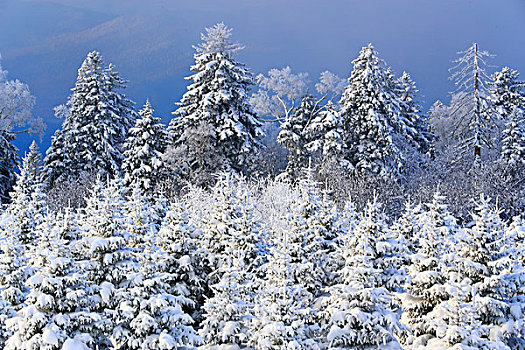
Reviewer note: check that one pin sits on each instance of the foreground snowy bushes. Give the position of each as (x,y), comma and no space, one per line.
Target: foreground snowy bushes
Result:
(263,266)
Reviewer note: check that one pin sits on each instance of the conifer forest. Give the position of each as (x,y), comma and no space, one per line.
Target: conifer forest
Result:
(270,213)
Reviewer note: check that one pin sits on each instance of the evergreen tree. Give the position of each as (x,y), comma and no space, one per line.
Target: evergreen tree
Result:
(475,117)
(28,206)
(416,125)
(106,260)
(509,100)
(312,228)
(141,220)
(294,138)
(143,151)
(226,314)
(358,311)
(325,136)
(14,271)
(232,227)
(282,312)
(482,261)
(97,118)
(217,110)
(57,308)
(183,259)
(427,276)
(371,111)
(150,317)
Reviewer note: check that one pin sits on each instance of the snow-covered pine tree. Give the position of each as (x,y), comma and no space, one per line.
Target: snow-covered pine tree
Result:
(294,138)
(216,101)
(14,271)
(232,227)
(428,273)
(509,100)
(457,323)
(312,226)
(473,111)
(28,207)
(144,147)
(140,218)
(97,118)
(482,260)
(325,137)
(359,309)
(371,112)
(105,258)
(282,313)
(227,314)
(57,307)
(150,316)
(181,258)
(416,125)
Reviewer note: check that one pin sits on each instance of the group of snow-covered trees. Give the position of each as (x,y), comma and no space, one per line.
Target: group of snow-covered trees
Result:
(370,126)
(254,265)
(130,234)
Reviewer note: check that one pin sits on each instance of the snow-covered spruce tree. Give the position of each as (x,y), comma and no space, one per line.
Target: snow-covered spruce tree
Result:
(509,100)
(294,138)
(325,138)
(150,316)
(473,112)
(282,315)
(181,258)
(57,307)
(312,226)
(415,123)
(457,323)
(14,271)
(427,274)
(217,101)
(97,118)
(144,147)
(232,227)
(105,258)
(372,117)
(227,314)
(141,220)
(483,261)
(28,207)
(359,309)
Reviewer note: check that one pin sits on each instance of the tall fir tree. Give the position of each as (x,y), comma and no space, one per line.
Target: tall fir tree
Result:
(57,308)
(28,206)
(294,138)
(509,100)
(282,313)
(144,147)
(215,109)
(97,118)
(106,259)
(358,311)
(227,314)
(371,111)
(416,124)
(150,316)
(325,137)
